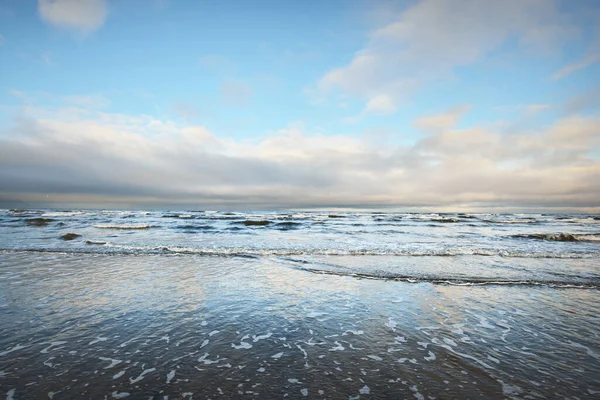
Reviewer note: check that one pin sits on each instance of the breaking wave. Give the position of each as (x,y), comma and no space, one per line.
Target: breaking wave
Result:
(265,252)
(123,227)
(562,237)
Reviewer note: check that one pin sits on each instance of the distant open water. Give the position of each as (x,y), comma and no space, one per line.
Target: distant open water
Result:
(454,248)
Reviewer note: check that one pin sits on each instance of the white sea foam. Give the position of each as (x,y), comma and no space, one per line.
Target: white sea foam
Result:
(14,348)
(114,226)
(256,338)
(118,374)
(242,345)
(170,376)
(141,376)
(51,346)
(113,362)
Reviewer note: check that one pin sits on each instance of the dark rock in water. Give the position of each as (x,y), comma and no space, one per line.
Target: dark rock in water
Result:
(92,242)
(335,216)
(18,211)
(597,218)
(559,237)
(566,237)
(445,220)
(70,236)
(256,223)
(170,216)
(39,221)
(467,216)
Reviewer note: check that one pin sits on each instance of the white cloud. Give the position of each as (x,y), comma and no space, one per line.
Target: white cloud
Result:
(569,69)
(592,55)
(381,104)
(72,151)
(441,122)
(425,42)
(586,101)
(2,40)
(84,16)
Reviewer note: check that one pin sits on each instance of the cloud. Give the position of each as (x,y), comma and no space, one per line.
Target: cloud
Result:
(586,101)
(66,152)
(425,42)
(592,55)
(569,69)
(441,122)
(234,93)
(535,108)
(84,16)
(2,40)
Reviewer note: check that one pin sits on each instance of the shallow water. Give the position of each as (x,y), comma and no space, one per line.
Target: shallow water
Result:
(540,249)
(195,326)
(113,304)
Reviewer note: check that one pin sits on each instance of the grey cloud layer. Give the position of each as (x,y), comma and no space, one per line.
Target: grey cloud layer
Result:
(119,158)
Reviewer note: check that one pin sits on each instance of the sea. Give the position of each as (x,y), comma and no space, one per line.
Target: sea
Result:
(110,304)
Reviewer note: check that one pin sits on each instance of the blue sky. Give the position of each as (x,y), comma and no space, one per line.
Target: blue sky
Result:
(443,104)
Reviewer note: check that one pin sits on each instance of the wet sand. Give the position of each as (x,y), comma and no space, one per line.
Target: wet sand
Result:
(183,326)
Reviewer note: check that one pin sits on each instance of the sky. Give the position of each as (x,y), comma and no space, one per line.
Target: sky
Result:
(264,104)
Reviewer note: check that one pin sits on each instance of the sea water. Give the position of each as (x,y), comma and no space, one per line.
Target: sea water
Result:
(207,304)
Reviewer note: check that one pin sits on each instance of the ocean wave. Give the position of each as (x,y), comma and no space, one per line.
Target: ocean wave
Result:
(250,222)
(282,252)
(288,225)
(572,220)
(24,212)
(180,216)
(445,220)
(196,227)
(562,237)
(463,282)
(123,227)
(510,221)
(96,242)
(438,278)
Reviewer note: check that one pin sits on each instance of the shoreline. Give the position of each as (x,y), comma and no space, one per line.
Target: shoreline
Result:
(198,327)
